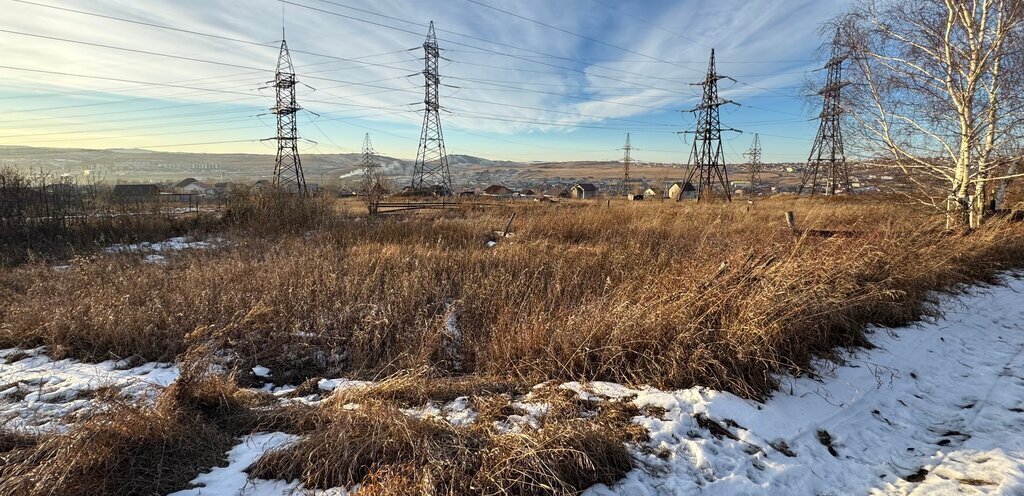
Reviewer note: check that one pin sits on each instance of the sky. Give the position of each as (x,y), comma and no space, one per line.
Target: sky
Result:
(531,80)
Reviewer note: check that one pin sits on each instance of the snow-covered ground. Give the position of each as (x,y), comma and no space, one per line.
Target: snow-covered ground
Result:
(38,393)
(172,244)
(936,408)
(232,479)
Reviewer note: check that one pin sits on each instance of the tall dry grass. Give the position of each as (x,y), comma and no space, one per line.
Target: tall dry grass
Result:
(670,295)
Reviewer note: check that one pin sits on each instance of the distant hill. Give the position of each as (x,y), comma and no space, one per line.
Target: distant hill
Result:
(124,164)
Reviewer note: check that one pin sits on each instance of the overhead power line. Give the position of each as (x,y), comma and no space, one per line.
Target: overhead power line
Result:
(588,38)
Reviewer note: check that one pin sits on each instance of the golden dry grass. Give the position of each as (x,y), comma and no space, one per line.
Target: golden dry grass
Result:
(386,451)
(125,450)
(672,295)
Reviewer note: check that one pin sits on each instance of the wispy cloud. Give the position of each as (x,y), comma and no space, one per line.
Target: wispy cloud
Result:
(505,76)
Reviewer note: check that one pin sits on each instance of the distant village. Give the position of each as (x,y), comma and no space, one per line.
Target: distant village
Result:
(192,189)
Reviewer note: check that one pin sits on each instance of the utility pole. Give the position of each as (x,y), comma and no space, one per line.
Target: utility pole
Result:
(430,173)
(827,171)
(626,161)
(707,161)
(288,174)
(372,189)
(754,163)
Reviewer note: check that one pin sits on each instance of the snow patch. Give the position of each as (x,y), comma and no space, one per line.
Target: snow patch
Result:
(37,392)
(456,412)
(170,245)
(935,408)
(232,479)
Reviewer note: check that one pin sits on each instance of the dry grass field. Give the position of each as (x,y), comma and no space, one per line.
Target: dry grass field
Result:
(436,305)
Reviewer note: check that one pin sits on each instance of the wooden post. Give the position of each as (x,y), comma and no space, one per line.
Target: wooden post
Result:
(508,225)
(791,220)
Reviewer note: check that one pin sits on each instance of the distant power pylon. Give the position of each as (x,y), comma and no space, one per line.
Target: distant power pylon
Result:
(707,161)
(754,165)
(826,170)
(430,174)
(372,189)
(288,166)
(626,161)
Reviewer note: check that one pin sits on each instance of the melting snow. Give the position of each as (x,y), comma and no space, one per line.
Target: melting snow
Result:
(170,245)
(232,479)
(37,392)
(457,412)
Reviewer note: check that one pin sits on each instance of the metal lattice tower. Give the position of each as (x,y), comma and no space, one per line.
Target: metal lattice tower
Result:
(371,189)
(288,174)
(707,161)
(368,164)
(626,161)
(826,170)
(754,164)
(431,174)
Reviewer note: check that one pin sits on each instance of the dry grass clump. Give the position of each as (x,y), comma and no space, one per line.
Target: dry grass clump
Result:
(564,457)
(359,441)
(12,440)
(14,445)
(130,449)
(386,451)
(423,385)
(125,450)
(276,212)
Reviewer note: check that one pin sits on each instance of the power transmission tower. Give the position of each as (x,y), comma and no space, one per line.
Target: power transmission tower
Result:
(626,161)
(372,188)
(826,170)
(430,174)
(706,157)
(754,164)
(288,174)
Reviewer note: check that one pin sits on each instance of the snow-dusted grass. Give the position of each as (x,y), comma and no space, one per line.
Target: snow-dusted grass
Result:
(934,408)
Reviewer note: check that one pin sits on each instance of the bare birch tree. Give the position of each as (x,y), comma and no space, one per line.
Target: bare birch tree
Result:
(933,93)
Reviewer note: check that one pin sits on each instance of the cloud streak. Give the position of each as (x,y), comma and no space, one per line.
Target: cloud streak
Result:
(505,77)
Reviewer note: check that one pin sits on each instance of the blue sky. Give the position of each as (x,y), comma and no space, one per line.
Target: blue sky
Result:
(515,89)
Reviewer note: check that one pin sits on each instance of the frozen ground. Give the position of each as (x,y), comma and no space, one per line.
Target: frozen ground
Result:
(936,408)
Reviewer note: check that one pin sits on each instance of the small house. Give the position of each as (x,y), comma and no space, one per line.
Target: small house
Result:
(193,186)
(557,193)
(136,193)
(652,193)
(527,192)
(678,191)
(498,190)
(583,191)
